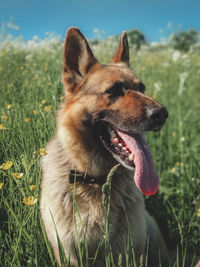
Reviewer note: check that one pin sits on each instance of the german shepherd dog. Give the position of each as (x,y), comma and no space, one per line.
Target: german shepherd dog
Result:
(101,124)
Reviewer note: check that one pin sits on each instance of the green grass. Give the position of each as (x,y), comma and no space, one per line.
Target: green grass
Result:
(29,76)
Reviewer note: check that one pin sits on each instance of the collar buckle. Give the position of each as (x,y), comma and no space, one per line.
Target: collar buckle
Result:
(76,176)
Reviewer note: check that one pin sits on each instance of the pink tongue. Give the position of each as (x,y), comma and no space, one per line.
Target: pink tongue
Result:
(145,176)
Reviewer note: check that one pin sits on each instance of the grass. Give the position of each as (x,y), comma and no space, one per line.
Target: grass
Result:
(31,81)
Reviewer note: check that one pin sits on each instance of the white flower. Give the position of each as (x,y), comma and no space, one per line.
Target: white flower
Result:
(157,86)
(182,77)
(182,139)
(176,55)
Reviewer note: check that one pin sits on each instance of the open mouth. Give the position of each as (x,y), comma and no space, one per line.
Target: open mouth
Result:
(132,151)
(116,145)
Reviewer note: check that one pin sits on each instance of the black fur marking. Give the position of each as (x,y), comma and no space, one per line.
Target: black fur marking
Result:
(115,91)
(141,87)
(87,120)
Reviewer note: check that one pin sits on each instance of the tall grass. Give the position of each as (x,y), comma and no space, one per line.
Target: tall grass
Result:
(31,81)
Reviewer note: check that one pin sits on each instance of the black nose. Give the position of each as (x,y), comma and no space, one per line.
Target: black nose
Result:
(157,117)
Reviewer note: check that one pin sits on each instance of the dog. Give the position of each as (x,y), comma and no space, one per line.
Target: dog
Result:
(101,123)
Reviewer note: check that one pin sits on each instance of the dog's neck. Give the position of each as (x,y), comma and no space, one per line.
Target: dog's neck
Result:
(83,177)
(82,158)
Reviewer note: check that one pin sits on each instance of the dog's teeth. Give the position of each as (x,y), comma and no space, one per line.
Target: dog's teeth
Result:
(115,140)
(132,156)
(120,145)
(124,148)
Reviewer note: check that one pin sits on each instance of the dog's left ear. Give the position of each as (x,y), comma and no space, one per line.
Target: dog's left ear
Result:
(77,58)
(122,53)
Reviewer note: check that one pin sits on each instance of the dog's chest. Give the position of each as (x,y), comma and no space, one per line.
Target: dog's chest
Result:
(125,217)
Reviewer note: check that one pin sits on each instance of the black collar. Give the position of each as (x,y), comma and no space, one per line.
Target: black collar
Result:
(76,176)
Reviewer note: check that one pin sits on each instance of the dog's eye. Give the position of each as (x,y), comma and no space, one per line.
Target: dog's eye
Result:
(115,90)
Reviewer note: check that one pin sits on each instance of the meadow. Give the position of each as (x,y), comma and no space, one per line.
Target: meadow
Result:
(30,93)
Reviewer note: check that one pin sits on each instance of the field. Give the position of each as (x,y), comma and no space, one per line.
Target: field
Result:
(31,90)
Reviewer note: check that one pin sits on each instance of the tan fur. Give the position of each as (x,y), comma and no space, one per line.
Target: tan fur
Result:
(74,147)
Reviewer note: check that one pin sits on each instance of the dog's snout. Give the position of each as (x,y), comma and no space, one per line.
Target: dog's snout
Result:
(157,116)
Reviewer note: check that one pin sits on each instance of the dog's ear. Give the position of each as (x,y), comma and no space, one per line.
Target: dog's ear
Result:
(122,53)
(77,58)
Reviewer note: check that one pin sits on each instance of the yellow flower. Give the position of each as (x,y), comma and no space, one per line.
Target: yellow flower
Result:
(47,108)
(173,170)
(27,120)
(29,201)
(61,98)
(177,164)
(32,187)
(174,134)
(43,152)
(42,103)
(35,77)
(17,175)
(1,126)
(8,106)
(34,112)
(4,117)
(34,153)
(182,139)
(6,165)
(198,212)
(1,185)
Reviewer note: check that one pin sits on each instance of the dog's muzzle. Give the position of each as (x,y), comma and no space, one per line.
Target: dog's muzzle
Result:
(157,117)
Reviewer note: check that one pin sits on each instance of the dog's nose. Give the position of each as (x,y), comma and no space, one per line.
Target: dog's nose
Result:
(157,116)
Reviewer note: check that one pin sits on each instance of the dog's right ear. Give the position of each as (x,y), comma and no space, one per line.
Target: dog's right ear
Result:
(122,53)
(77,59)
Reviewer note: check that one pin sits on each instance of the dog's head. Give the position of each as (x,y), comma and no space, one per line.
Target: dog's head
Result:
(107,104)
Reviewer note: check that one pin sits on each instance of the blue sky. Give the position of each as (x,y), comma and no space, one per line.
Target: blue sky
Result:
(155,18)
